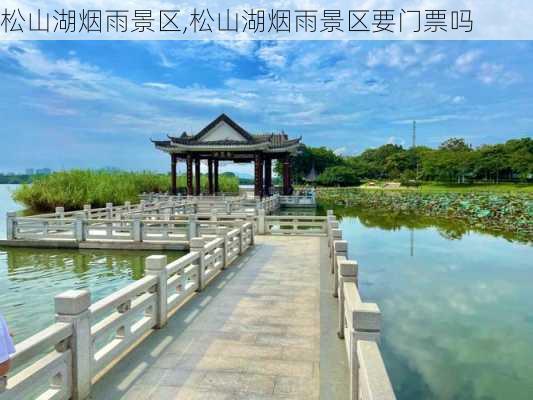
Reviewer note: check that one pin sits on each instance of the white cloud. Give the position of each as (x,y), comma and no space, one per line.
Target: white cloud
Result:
(430,119)
(404,56)
(466,61)
(395,140)
(274,55)
(340,151)
(458,99)
(495,73)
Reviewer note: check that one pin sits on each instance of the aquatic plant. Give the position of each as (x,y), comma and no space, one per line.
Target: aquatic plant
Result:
(72,189)
(511,212)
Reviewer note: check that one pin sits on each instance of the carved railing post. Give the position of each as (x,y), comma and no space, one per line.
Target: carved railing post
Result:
(193,226)
(340,248)
(222,232)
(60,212)
(11,223)
(335,234)
(241,239)
(252,234)
(87,210)
(80,228)
(366,326)
(228,207)
(197,244)
(73,307)
(136,228)
(348,270)
(109,210)
(157,266)
(261,228)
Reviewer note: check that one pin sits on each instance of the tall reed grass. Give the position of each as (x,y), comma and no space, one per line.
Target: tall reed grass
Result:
(72,189)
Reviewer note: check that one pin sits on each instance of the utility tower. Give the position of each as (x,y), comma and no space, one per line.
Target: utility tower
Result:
(414,134)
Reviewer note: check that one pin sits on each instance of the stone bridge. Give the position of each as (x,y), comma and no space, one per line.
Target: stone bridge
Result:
(261,309)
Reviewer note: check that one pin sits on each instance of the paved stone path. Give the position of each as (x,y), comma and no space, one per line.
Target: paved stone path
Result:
(254,333)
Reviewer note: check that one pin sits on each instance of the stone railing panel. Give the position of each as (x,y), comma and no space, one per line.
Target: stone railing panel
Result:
(294,225)
(120,319)
(49,374)
(182,280)
(374,382)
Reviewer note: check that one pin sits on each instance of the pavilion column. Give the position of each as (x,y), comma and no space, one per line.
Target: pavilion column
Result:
(268,176)
(286,176)
(189,175)
(210,176)
(289,177)
(173,162)
(215,165)
(258,175)
(197,188)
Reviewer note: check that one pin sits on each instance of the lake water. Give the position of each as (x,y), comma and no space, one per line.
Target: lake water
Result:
(30,278)
(457,305)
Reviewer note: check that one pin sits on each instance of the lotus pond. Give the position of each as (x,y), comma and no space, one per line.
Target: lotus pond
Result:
(499,212)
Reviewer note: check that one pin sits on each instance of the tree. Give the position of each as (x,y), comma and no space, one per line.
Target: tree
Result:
(377,158)
(318,157)
(455,144)
(338,176)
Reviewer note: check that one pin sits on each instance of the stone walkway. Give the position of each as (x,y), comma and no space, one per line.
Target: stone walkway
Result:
(254,333)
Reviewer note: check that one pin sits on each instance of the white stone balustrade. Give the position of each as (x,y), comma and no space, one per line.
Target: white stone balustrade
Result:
(359,324)
(88,338)
(42,372)
(294,224)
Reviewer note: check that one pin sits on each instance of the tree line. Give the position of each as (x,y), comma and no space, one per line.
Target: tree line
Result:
(454,161)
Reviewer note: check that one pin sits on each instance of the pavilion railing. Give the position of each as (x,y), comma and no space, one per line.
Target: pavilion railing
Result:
(65,359)
(307,200)
(291,224)
(169,219)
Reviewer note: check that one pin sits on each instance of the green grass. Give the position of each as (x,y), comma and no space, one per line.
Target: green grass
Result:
(72,189)
(436,187)
(494,188)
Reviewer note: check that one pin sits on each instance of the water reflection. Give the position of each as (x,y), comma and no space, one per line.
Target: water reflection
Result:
(456,304)
(30,278)
(452,229)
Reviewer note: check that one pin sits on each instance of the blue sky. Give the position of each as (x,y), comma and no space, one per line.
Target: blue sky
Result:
(94,103)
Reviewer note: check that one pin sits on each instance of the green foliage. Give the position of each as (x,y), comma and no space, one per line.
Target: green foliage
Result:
(453,162)
(454,144)
(318,157)
(338,176)
(72,189)
(511,212)
(15,179)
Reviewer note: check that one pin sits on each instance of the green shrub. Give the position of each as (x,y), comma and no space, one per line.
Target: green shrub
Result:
(338,176)
(72,189)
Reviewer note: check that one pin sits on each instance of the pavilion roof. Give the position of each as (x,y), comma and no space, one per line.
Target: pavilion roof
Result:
(240,139)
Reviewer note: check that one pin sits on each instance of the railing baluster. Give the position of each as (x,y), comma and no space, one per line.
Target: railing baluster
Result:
(73,307)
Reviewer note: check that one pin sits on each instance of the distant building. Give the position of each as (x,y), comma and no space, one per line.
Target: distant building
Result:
(43,171)
(30,171)
(311,175)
